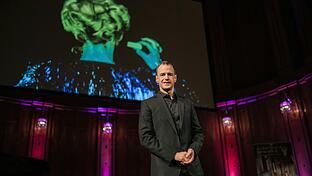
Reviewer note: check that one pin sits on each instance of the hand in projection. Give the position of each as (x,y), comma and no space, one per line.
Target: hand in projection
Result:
(152,57)
(189,157)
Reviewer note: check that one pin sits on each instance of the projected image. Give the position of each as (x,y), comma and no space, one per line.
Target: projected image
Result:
(99,25)
(105,53)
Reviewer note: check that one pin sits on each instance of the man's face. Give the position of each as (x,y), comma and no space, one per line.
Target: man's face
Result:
(166,77)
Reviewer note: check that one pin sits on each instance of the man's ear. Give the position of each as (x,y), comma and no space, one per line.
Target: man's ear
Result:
(156,78)
(175,78)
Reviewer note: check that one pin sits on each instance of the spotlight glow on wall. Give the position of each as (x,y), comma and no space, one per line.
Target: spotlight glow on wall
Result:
(38,140)
(231,156)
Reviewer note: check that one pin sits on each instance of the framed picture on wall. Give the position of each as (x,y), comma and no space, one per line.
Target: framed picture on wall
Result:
(275,159)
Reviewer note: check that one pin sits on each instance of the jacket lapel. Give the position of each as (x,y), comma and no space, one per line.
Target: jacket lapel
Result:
(167,112)
(181,111)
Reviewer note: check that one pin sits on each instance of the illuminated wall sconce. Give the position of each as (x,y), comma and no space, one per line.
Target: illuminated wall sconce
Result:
(42,122)
(285,106)
(228,124)
(227,121)
(107,128)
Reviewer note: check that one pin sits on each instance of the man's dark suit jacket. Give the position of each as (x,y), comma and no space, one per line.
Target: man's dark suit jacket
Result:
(157,133)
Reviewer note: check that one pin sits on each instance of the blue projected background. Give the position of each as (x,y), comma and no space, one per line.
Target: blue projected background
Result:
(105,47)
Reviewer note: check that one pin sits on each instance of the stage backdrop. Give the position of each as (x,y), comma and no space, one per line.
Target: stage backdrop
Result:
(104,47)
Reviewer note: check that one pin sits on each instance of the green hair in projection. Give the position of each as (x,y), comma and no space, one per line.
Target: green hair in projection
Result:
(95,20)
(100,25)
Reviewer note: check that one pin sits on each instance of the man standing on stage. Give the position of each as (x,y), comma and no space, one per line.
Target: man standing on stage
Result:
(170,130)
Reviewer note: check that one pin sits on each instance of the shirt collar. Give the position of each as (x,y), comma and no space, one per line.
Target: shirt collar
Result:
(164,95)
